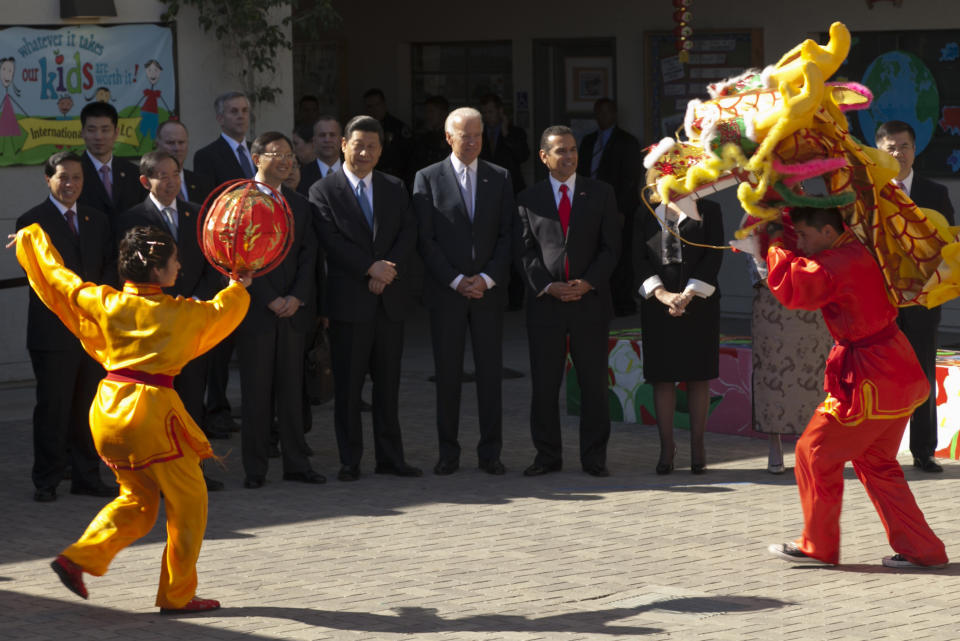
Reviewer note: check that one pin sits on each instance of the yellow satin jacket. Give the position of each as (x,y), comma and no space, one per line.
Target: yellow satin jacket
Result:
(140,328)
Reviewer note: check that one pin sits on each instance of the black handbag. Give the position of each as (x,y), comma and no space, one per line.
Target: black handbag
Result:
(319,371)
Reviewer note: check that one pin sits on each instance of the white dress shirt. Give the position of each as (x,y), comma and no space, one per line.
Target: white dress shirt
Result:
(458,168)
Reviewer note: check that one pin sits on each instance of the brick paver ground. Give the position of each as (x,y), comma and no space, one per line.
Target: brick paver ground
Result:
(475,557)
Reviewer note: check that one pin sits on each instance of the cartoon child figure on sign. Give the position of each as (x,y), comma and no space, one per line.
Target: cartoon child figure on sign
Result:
(64,105)
(149,119)
(102,94)
(9,127)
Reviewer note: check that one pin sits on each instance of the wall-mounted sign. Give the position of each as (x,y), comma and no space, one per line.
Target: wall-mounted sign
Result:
(47,75)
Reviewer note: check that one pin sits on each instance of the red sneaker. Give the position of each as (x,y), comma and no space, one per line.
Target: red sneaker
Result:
(193,605)
(71,575)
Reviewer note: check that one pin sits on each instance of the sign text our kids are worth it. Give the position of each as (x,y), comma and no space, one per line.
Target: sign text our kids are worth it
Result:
(47,75)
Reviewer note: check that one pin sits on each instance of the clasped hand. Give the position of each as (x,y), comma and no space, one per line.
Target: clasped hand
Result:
(284,306)
(676,303)
(569,291)
(381,273)
(472,286)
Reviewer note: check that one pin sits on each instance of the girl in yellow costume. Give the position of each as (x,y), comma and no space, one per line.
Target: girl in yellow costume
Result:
(143,338)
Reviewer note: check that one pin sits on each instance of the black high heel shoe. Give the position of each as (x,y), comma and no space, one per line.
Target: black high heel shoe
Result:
(666,468)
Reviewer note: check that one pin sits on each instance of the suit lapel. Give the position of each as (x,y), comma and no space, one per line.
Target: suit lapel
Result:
(484,174)
(581,193)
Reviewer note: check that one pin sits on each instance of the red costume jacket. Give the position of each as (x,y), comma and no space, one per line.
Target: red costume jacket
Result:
(872,372)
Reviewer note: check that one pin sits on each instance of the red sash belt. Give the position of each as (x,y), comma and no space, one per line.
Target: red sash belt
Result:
(838,378)
(126,375)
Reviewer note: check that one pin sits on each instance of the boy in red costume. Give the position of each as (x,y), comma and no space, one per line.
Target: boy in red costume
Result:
(873,383)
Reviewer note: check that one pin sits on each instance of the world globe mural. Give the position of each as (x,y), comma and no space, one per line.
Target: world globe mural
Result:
(903,89)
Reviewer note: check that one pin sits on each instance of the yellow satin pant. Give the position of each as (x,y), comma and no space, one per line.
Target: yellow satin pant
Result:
(132,515)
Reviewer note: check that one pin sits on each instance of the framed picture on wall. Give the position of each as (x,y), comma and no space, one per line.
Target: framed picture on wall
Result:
(587,80)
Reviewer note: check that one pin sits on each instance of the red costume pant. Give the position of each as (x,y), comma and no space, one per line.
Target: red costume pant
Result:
(821,454)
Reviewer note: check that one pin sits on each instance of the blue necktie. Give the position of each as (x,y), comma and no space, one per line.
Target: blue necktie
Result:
(364,203)
(245,163)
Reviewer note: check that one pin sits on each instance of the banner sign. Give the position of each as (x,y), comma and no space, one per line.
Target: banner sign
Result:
(47,75)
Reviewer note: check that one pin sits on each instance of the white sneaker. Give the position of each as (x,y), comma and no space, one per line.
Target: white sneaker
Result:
(899,561)
(790,552)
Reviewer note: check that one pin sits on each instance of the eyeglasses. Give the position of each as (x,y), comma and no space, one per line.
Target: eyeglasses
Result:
(274,154)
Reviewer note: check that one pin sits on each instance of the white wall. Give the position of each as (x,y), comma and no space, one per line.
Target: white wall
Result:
(203,73)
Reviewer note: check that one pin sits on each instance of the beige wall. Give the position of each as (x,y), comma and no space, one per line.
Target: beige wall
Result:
(203,73)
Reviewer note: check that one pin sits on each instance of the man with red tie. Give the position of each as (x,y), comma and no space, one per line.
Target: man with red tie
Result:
(570,232)
(67,377)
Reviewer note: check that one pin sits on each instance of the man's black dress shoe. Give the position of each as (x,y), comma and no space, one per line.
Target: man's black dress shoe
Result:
(310,476)
(598,469)
(215,434)
(398,470)
(349,473)
(494,467)
(95,490)
(253,482)
(213,485)
(45,495)
(927,464)
(539,469)
(446,467)
(273,451)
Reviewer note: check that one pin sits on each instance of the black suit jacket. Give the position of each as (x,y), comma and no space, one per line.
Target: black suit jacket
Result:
(932,195)
(198,187)
(509,152)
(92,256)
(449,242)
(351,247)
(619,166)
(591,245)
(218,162)
(295,276)
(698,262)
(309,174)
(127,190)
(197,277)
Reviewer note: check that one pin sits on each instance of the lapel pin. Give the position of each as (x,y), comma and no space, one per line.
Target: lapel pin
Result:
(86,218)
(485,180)
(582,193)
(123,175)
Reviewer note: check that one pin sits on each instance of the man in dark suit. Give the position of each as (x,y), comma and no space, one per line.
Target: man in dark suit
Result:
(160,174)
(368,231)
(570,235)
(465,209)
(326,145)
(110,185)
(612,155)
(271,339)
(173,138)
(66,376)
(505,145)
(226,158)
(918,323)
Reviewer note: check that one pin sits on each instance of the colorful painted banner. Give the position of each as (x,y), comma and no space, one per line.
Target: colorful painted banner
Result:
(47,75)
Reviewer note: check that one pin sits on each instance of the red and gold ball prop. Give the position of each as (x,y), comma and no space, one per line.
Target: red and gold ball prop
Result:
(245,226)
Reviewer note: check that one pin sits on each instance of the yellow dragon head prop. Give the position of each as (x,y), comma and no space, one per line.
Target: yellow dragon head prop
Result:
(770,130)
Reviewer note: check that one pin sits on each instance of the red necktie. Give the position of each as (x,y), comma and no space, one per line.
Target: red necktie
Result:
(72,221)
(563,211)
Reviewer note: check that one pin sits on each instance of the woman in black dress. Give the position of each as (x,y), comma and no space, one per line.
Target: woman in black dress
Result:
(680,316)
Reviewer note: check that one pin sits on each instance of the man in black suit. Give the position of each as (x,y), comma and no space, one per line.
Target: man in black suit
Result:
(173,138)
(570,235)
(326,145)
(226,158)
(271,339)
(110,185)
(612,155)
(368,231)
(160,175)
(66,376)
(505,145)
(465,209)
(918,323)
